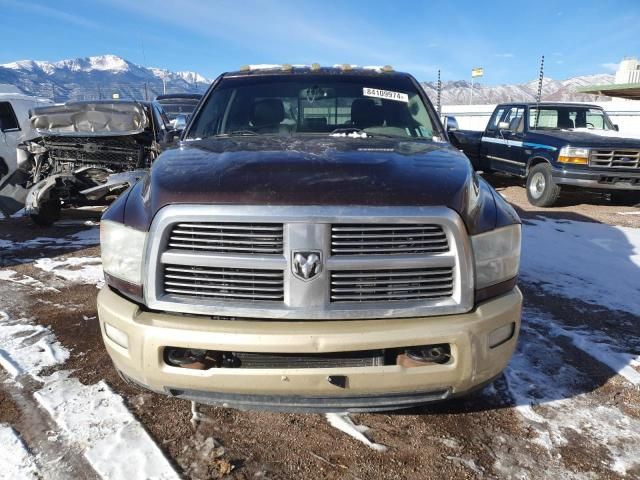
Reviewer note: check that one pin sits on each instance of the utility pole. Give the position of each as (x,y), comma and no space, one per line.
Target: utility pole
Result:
(540,79)
(539,96)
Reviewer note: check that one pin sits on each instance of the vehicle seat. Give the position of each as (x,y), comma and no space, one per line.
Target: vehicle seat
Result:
(267,115)
(315,124)
(365,113)
(565,122)
(514,124)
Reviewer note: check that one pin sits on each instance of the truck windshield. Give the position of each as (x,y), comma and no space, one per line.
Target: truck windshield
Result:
(306,104)
(568,118)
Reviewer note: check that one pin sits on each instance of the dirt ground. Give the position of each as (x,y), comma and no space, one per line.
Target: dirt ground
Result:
(493,434)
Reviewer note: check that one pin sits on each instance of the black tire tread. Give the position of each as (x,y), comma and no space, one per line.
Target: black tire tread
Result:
(552,190)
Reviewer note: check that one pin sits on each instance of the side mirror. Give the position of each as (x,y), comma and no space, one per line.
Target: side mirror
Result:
(180,122)
(451,124)
(503,126)
(616,127)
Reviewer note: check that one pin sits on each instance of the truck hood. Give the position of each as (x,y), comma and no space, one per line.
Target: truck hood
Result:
(583,138)
(267,170)
(90,119)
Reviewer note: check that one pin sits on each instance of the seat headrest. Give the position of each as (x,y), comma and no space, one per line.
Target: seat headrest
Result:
(365,113)
(565,122)
(267,112)
(515,123)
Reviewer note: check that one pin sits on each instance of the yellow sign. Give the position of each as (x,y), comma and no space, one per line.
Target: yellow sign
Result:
(477,72)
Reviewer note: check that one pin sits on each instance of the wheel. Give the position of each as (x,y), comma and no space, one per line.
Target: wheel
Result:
(48,213)
(625,197)
(542,191)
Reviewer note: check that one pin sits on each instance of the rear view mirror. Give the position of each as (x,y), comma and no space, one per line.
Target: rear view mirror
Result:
(180,122)
(503,126)
(451,124)
(616,127)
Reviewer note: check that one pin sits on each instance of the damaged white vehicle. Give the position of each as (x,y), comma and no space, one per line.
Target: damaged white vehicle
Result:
(86,153)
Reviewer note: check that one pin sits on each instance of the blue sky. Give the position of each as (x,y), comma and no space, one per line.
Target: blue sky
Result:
(505,37)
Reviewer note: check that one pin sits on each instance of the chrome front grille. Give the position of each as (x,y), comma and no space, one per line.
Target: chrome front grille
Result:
(369,262)
(224,283)
(389,239)
(246,238)
(391,285)
(615,158)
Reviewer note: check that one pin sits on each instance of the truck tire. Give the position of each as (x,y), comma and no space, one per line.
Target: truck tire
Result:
(542,191)
(625,197)
(48,213)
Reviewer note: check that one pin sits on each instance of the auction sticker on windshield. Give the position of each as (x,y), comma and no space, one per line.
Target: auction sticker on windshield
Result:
(385,94)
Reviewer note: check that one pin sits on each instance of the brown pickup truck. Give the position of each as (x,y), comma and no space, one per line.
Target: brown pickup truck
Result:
(314,244)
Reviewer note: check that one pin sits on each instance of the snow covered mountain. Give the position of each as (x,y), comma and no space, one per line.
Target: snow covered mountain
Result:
(97,77)
(102,76)
(458,92)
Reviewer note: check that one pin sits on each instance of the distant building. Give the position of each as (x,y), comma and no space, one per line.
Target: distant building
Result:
(628,71)
(626,84)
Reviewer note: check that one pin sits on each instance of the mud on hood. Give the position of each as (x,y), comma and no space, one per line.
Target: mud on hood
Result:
(90,118)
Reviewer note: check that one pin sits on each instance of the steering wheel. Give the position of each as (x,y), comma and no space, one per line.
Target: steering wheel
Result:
(590,125)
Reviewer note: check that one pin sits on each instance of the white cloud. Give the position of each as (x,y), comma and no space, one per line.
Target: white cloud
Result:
(612,67)
(504,55)
(274,29)
(52,13)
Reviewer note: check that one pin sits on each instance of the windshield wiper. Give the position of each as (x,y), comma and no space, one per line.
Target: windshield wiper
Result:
(237,133)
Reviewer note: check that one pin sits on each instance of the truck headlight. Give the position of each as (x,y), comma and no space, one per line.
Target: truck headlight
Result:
(577,156)
(122,251)
(497,255)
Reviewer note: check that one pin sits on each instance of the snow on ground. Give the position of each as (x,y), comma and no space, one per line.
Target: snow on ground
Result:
(96,418)
(16,463)
(87,270)
(26,280)
(90,416)
(344,423)
(593,262)
(550,395)
(28,347)
(596,344)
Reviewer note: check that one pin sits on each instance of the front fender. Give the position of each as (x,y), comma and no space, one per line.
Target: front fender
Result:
(540,155)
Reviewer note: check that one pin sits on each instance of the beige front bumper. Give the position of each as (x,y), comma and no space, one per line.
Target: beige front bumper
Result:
(473,362)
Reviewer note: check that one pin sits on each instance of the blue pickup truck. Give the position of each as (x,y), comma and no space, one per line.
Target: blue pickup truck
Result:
(554,146)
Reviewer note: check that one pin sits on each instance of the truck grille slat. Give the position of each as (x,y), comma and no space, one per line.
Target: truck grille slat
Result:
(240,296)
(392,273)
(390,282)
(615,158)
(390,285)
(366,239)
(213,278)
(225,283)
(227,272)
(246,238)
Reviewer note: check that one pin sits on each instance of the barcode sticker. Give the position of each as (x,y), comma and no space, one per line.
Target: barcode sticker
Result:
(385,94)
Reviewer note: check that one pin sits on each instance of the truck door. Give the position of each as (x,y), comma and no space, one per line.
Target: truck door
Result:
(491,139)
(509,154)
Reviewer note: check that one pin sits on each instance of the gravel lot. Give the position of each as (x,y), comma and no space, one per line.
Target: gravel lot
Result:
(568,406)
